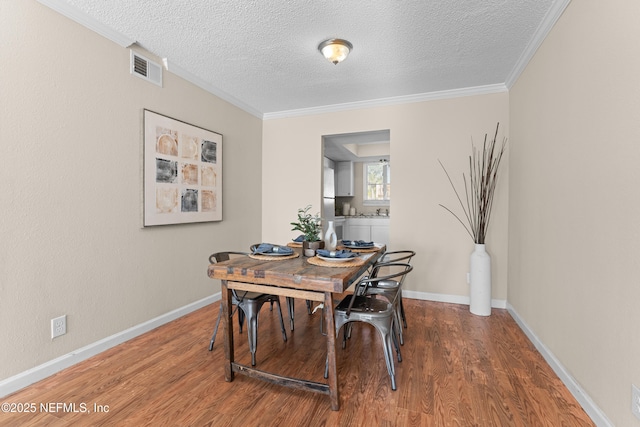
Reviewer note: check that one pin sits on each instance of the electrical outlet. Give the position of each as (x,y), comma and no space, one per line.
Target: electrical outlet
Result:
(58,326)
(635,401)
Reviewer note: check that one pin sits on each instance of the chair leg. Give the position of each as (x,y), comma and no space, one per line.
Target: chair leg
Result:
(346,333)
(339,325)
(284,333)
(252,334)
(387,335)
(344,338)
(241,316)
(215,330)
(291,307)
(308,306)
(322,313)
(386,339)
(394,338)
(404,318)
(326,368)
(398,321)
(251,311)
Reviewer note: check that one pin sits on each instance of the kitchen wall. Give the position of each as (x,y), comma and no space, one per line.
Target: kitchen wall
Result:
(421,133)
(574,222)
(72,241)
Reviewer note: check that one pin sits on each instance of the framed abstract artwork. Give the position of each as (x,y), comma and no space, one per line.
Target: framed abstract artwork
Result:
(182,172)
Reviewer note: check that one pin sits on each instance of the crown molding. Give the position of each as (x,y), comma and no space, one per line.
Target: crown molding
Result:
(192,78)
(116,37)
(420,97)
(83,19)
(541,33)
(543,30)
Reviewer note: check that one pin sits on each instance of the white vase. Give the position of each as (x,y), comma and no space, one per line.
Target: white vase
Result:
(480,281)
(330,238)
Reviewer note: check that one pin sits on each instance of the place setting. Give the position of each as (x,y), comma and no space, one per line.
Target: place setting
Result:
(271,252)
(359,245)
(336,258)
(297,242)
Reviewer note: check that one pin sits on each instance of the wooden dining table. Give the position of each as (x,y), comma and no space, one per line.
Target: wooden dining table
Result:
(289,277)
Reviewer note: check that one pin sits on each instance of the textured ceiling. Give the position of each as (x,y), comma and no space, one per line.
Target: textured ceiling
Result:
(264,53)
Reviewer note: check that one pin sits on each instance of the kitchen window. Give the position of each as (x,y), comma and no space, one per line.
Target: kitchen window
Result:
(377,183)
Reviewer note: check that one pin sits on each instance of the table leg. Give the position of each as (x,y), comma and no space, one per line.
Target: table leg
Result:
(334,394)
(227,330)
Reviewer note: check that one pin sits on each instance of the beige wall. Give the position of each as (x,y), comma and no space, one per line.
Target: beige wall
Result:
(421,133)
(574,224)
(71,147)
(72,241)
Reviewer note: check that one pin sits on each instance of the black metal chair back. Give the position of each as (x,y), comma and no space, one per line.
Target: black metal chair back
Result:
(362,288)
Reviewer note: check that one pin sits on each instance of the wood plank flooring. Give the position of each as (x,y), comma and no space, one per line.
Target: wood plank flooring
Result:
(457,370)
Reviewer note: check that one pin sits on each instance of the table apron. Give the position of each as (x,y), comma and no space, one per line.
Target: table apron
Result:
(275,290)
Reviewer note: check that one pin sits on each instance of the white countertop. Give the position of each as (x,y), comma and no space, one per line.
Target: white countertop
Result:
(368,217)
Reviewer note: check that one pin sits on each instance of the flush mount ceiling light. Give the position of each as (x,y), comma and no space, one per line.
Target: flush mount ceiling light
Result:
(335,50)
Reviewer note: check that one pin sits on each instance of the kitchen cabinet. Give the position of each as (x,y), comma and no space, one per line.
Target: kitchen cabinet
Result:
(344,179)
(358,231)
(369,229)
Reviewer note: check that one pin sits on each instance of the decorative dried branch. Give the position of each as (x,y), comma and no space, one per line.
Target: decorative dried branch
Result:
(480,187)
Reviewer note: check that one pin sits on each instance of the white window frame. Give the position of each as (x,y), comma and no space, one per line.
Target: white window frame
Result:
(386,171)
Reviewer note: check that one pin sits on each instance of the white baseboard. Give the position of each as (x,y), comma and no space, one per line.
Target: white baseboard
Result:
(33,375)
(453,299)
(594,412)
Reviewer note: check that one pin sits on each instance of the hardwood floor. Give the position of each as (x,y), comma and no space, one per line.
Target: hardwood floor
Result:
(457,370)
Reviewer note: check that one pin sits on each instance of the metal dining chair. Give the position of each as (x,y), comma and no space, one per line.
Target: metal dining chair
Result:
(249,304)
(363,306)
(290,300)
(389,288)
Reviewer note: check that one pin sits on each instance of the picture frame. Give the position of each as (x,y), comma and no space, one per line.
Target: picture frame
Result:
(182,172)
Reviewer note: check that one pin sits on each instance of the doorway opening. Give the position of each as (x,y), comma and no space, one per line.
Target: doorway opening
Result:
(357,182)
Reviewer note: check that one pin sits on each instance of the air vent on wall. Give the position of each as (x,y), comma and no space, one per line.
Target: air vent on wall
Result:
(146,69)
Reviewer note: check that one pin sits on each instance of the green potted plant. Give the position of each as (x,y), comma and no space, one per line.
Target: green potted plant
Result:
(309,226)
